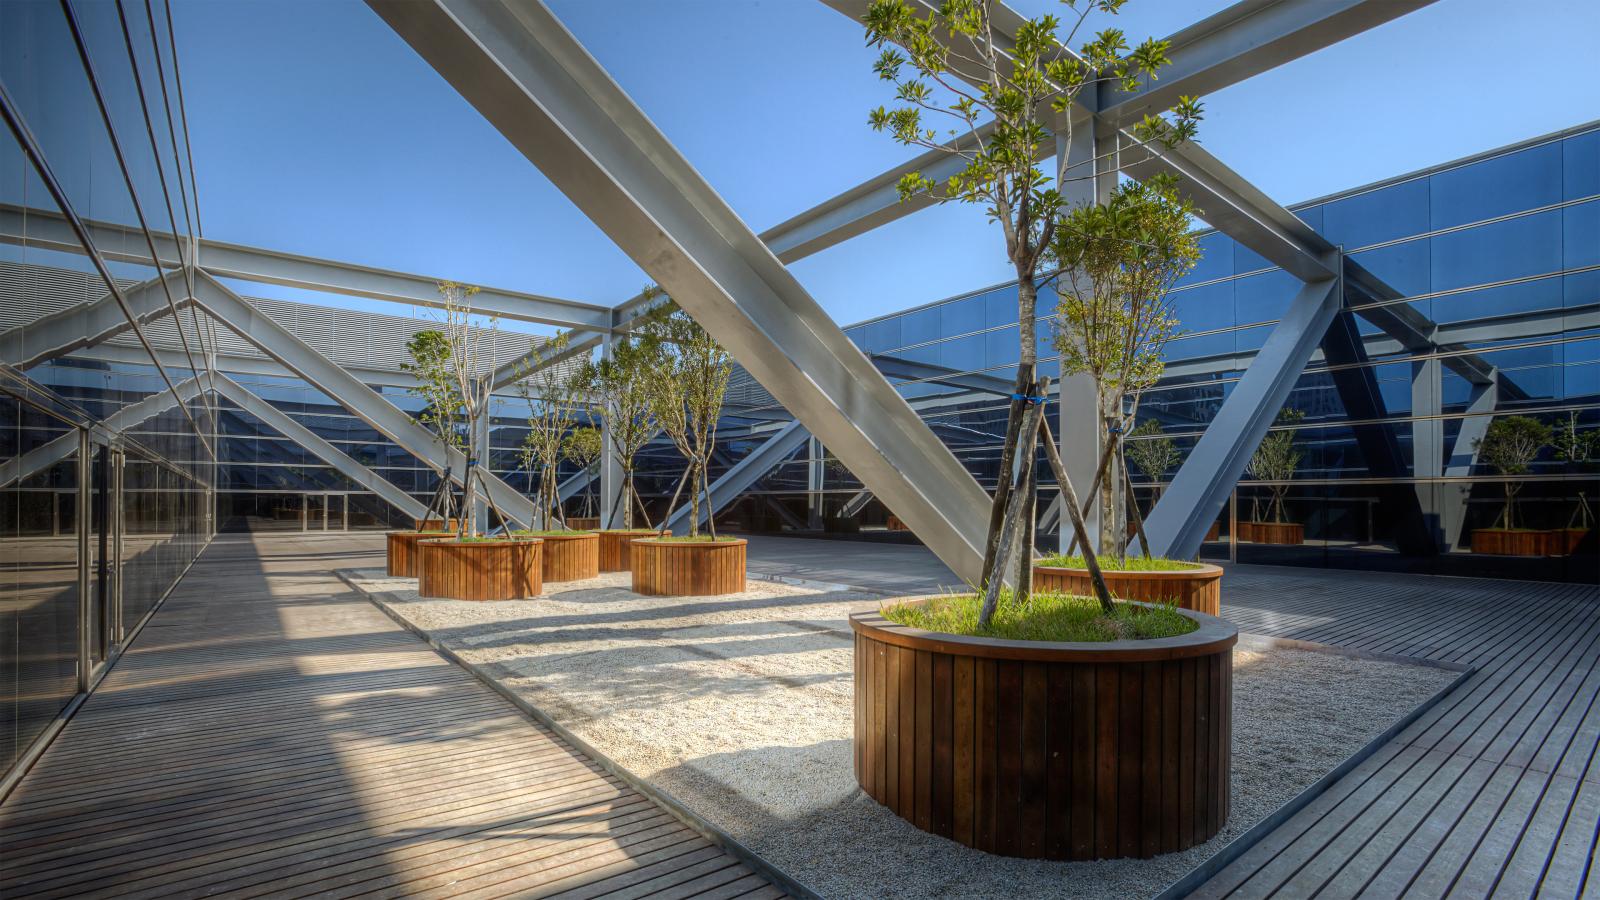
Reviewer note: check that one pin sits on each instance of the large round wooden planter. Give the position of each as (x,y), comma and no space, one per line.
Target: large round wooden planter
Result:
(1565,541)
(687,568)
(1272,532)
(616,547)
(1198,588)
(1047,750)
(437,525)
(583,523)
(571,557)
(1503,542)
(480,570)
(402,551)
(896,525)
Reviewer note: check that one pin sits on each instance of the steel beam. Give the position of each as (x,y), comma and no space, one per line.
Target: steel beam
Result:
(37,227)
(300,358)
(1452,498)
(286,425)
(20,468)
(520,67)
(744,474)
(1177,526)
(88,324)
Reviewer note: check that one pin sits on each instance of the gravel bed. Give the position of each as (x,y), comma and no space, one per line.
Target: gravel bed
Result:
(741,708)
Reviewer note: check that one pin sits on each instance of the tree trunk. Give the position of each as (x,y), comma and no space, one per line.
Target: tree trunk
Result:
(1002,484)
(1133,511)
(1011,522)
(711,513)
(1069,502)
(1094,491)
(467,527)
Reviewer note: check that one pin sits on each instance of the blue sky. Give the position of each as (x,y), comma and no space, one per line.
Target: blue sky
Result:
(317,131)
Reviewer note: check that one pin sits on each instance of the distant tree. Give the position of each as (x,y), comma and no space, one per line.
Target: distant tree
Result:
(473,348)
(430,364)
(1275,461)
(1574,446)
(996,95)
(581,447)
(1152,451)
(1117,262)
(1509,446)
(552,392)
(687,386)
(619,383)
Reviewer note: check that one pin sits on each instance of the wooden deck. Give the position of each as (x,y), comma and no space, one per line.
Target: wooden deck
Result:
(1494,792)
(270,734)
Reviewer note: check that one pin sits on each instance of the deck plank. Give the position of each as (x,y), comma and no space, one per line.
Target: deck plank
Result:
(271,733)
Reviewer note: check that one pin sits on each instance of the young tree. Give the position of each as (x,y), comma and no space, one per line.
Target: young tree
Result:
(473,345)
(995,95)
(687,385)
(430,364)
(552,393)
(620,386)
(1509,446)
(582,447)
(1152,451)
(1275,460)
(1116,263)
(1573,447)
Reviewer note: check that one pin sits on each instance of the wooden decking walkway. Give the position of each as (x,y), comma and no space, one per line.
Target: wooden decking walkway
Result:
(1495,792)
(270,734)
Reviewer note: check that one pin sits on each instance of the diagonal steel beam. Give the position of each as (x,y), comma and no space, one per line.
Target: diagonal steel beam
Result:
(1178,524)
(744,474)
(346,389)
(520,67)
(286,425)
(88,324)
(20,468)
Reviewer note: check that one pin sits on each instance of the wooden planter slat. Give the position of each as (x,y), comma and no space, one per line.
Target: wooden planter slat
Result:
(1199,589)
(616,548)
(583,523)
(1106,751)
(402,551)
(436,524)
(571,557)
(687,569)
(1501,542)
(1272,532)
(896,525)
(480,570)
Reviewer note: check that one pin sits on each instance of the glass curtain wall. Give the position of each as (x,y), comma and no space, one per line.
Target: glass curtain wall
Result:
(106,473)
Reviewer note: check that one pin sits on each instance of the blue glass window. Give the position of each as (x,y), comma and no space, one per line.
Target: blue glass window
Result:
(1264,297)
(1249,340)
(1216,259)
(1406,267)
(1580,235)
(1247,260)
(920,326)
(1200,346)
(1511,299)
(1001,347)
(1386,214)
(1530,245)
(1496,187)
(1581,165)
(883,334)
(1311,215)
(961,317)
(1204,308)
(1582,289)
(963,354)
(1000,307)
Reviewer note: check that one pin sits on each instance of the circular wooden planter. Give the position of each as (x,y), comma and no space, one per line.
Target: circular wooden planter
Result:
(402,551)
(616,548)
(1272,532)
(1047,750)
(896,525)
(437,525)
(480,570)
(571,557)
(1501,542)
(687,569)
(583,523)
(1199,588)
(1565,541)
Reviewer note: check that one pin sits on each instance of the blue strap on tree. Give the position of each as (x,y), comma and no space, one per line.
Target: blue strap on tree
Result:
(1028,398)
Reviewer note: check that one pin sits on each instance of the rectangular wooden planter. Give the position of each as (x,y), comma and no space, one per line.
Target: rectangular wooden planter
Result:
(687,569)
(480,570)
(1199,588)
(1089,752)
(616,548)
(1288,533)
(1502,542)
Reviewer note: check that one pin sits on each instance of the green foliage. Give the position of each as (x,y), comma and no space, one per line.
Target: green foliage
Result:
(1117,262)
(581,446)
(686,385)
(1276,459)
(1121,564)
(1042,617)
(553,393)
(1573,444)
(436,384)
(1151,450)
(1509,446)
(619,385)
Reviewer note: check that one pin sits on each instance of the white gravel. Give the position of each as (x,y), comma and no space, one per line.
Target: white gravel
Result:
(741,707)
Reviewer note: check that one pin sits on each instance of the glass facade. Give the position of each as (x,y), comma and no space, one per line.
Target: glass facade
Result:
(102,506)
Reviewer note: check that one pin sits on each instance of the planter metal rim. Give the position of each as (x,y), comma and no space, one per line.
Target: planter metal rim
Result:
(497,542)
(730,542)
(1213,636)
(1198,570)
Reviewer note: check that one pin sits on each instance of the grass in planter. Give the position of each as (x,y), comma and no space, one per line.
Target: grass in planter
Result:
(1127,564)
(697,539)
(551,532)
(1045,617)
